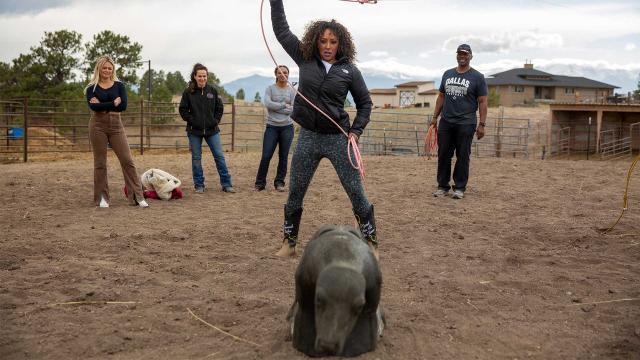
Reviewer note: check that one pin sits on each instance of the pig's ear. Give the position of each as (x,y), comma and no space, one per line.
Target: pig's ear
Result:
(354,231)
(321,298)
(323,230)
(357,305)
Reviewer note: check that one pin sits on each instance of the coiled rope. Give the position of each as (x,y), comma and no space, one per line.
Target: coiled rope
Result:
(625,198)
(431,140)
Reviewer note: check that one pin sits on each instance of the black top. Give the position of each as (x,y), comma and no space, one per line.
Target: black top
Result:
(106,97)
(202,110)
(461,92)
(328,91)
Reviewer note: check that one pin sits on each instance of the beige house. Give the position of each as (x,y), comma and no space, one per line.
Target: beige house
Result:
(528,86)
(410,94)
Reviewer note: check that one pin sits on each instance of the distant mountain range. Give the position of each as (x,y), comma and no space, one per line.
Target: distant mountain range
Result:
(625,79)
(258,83)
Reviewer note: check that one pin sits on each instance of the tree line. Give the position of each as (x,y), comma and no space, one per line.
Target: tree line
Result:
(61,65)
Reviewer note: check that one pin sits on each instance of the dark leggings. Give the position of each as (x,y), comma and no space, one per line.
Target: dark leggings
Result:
(310,149)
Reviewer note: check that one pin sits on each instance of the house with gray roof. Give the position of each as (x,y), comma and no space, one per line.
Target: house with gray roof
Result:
(409,94)
(527,85)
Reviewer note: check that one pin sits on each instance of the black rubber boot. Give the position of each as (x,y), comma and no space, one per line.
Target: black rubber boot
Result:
(290,230)
(367,225)
(291,226)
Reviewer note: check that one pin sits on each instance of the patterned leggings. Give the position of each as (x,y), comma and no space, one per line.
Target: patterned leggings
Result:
(310,149)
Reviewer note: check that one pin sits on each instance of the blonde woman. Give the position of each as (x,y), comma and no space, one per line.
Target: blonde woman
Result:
(107,98)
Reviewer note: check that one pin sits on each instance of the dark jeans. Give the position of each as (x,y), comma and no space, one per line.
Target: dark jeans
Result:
(215,144)
(458,138)
(280,136)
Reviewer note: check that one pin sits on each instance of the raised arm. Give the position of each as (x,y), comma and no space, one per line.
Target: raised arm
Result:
(286,38)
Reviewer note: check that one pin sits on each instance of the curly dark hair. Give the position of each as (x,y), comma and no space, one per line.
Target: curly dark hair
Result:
(315,29)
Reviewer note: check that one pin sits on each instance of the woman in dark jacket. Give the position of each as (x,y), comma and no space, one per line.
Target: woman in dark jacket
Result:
(202,109)
(326,58)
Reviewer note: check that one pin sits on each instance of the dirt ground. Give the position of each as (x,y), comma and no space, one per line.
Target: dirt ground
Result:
(513,271)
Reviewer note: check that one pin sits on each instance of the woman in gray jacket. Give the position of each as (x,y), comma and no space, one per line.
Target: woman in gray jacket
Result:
(278,99)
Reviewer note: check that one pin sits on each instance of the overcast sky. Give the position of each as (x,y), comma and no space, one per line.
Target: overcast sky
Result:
(411,38)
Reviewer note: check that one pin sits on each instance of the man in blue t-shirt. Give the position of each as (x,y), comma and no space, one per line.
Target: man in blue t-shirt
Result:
(463,91)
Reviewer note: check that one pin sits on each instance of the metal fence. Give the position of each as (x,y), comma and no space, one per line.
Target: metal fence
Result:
(32,126)
(616,143)
(564,141)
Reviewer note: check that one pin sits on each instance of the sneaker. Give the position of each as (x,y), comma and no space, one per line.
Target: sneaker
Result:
(280,188)
(199,189)
(458,194)
(229,189)
(258,188)
(103,202)
(143,204)
(441,193)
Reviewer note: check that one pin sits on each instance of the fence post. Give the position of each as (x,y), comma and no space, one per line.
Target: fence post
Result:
(417,141)
(142,126)
(25,109)
(588,137)
(499,133)
(233,126)
(7,110)
(384,138)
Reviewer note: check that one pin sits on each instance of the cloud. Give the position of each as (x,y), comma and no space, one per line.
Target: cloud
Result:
(377,53)
(630,47)
(505,42)
(393,68)
(29,6)
(623,75)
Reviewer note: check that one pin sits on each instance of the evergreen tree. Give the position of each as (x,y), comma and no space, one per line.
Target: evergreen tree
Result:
(120,48)
(493,99)
(215,82)
(57,56)
(240,94)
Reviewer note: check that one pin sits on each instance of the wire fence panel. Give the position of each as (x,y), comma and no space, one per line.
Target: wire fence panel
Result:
(32,126)
(613,146)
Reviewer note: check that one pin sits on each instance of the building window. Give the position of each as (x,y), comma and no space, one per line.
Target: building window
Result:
(569,91)
(407,98)
(518,88)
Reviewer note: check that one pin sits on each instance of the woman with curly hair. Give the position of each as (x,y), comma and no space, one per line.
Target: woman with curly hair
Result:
(325,57)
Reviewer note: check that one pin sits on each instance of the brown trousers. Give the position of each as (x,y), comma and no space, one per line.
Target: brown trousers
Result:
(107,128)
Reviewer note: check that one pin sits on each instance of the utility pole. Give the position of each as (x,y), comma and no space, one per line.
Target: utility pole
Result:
(149,80)
(150,75)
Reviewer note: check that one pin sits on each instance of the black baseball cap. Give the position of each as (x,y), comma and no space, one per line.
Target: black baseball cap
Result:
(464,48)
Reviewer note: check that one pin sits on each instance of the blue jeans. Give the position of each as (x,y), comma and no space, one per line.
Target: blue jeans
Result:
(454,138)
(215,144)
(280,136)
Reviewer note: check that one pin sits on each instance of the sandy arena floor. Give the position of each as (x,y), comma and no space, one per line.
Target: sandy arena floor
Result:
(513,271)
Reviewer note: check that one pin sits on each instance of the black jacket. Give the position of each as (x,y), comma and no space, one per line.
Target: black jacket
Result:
(202,110)
(328,91)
